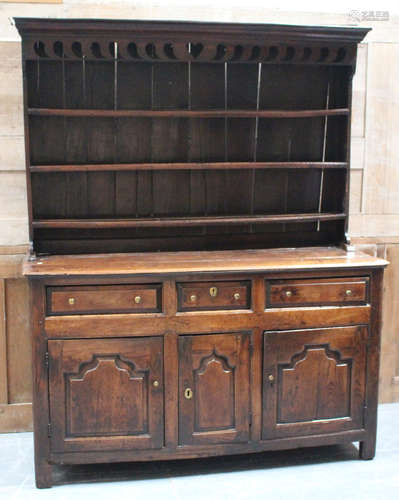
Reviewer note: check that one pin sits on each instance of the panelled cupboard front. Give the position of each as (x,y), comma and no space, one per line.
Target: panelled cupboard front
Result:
(257,361)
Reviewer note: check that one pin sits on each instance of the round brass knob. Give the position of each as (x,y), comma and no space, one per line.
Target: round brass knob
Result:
(236,296)
(348,293)
(271,378)
(137,299)
(155,383)
(193,298)
(71,301)
(288,293)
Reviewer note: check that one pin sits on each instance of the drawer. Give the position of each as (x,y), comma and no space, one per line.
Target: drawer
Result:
(316,292)
(214,295)
(104,299)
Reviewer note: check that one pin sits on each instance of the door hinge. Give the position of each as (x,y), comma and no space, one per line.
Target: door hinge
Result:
(49,430)
(46,360)
(365,415)
(250,418)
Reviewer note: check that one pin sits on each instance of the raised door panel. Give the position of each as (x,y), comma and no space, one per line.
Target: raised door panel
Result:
(314,381)
(214,388)
(106,394)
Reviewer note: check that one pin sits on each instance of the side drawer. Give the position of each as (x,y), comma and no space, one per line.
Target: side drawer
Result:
(104,299)
(214,295)
(317,292)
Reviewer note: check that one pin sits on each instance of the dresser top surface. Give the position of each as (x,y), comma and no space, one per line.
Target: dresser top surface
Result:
(267,260)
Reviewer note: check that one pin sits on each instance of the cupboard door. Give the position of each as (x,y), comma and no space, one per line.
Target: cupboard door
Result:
(314,381)
(106,394)
(214,388)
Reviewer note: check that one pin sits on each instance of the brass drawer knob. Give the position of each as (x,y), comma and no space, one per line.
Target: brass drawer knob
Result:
(155,383)
(213,291)
(237,296)
(271,378)
(193,298)
(288,293)
(71,301)
(188,393)
(348,293)
(137,299)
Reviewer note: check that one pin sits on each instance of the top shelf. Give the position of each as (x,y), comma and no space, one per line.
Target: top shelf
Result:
(185,113)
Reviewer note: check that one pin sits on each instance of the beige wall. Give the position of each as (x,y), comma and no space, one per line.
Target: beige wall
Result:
(374,208)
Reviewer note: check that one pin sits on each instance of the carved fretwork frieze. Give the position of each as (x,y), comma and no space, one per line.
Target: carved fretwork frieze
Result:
(193,51)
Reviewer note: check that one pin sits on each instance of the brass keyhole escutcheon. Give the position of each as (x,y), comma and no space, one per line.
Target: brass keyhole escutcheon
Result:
(213,291)
(71,301)
(188,393)
(137,299)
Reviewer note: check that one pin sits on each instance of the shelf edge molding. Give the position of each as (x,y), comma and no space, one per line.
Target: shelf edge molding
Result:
(240,165)
(183,222)
(187,113)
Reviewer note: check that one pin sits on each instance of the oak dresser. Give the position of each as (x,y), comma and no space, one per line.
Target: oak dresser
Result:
(194,291)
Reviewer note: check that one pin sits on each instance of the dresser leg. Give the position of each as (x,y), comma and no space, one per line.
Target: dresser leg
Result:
(367,449)
(44,475)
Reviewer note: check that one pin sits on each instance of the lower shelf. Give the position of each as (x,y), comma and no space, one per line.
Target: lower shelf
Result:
(184,221)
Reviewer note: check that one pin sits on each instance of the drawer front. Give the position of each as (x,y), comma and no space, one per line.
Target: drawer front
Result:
(317,292)
(214,295)
(106,299)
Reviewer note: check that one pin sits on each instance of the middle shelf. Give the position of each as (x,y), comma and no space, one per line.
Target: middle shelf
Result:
(187,113)
(221,165)
(183,221)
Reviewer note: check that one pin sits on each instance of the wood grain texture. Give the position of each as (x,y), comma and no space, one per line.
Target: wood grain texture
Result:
(43,469)
(323,344)
(142,325)
(16,417)
(3,346)
(213,295)
(184,222)
(101,300)
(367,447)
(239,113)
(129,406)
(19,349)
(182,262)
(215,371)
(11,266)
(298,403)
(205,451)
(217,357)
(183,166)
(282,293)
(389,392)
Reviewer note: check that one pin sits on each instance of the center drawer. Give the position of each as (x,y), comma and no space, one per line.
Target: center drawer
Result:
(103,299)
(214,295)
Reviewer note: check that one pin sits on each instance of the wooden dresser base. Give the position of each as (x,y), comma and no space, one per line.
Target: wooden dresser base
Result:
(282,356)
